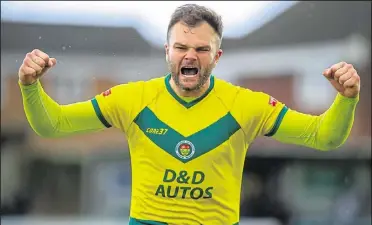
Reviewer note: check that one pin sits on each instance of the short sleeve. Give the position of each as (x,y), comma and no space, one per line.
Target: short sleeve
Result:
(114,106)
(273,114)
(259,114)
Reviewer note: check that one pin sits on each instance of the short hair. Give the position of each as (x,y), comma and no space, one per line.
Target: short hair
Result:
(193,14)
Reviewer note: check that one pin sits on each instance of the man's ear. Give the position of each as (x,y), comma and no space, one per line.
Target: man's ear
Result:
(166,48)
(218,56)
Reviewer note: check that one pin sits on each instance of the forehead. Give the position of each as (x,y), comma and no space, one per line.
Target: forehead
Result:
(202,34)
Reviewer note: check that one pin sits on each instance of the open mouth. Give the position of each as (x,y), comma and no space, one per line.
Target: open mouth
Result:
(189,71)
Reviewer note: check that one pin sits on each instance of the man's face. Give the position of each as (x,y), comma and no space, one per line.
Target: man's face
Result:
(192,53)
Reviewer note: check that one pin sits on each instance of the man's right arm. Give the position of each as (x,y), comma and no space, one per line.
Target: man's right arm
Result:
(50,119)
(47,117)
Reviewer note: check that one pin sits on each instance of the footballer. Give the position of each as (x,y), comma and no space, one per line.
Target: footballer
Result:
(188,131)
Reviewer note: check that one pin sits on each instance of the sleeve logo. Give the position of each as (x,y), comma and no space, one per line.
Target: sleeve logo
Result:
(106,93)
(273,101)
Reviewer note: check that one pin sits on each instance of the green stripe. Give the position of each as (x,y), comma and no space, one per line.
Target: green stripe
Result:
(203,141)
(278,122)
(133,221)
(99,113)
(183,102)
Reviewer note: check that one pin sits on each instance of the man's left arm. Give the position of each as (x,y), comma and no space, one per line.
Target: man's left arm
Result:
(331,129)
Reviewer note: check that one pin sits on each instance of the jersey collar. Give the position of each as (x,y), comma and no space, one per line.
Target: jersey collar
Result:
(181,101)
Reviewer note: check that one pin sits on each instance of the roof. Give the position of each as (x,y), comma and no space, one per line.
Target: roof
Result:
(304,22)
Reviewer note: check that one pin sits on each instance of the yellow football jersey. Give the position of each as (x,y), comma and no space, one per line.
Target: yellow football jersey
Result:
(187,158)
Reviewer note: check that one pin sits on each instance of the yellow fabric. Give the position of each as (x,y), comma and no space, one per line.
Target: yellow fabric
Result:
(187,99)
(50,119)
(327,131)
(189,157)
(160,178)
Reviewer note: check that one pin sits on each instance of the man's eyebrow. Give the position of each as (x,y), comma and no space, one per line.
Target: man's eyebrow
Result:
(204,46)
(197,47)
(177,43)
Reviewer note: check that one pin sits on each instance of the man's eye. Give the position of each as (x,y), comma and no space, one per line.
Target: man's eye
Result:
(179,47)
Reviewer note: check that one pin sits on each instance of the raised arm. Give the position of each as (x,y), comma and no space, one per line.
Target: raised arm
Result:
(327,131)
(46,117)
(331,129)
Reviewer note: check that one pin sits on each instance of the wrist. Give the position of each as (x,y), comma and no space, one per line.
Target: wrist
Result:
(343,98)
(26,84)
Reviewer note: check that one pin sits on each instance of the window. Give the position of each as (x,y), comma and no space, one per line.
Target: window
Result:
(69,90)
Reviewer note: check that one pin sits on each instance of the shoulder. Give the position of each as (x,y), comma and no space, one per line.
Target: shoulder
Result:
(225,91)
(155,84)
(233,94)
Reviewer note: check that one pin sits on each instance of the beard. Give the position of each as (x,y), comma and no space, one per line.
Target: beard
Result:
(203,77)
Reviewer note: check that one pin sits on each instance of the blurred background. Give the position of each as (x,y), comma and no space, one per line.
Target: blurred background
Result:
(280,48)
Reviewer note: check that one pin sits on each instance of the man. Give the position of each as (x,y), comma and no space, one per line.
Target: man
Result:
(188,132)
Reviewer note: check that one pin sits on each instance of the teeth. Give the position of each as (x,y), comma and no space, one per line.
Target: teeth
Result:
(189,71)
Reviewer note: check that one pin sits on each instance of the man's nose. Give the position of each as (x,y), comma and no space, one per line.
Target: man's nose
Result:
(191,54)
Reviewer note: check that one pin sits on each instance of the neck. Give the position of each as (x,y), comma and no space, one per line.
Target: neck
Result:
(195,94)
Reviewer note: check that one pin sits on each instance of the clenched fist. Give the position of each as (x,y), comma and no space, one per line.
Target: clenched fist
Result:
(35,64)
(344,78)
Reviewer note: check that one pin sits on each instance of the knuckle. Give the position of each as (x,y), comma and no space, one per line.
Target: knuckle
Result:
(40,61)
(26,61)
(37,52)
(45,56)
(40,54)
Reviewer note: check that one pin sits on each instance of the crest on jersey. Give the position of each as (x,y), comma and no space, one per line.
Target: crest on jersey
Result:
(185,149)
